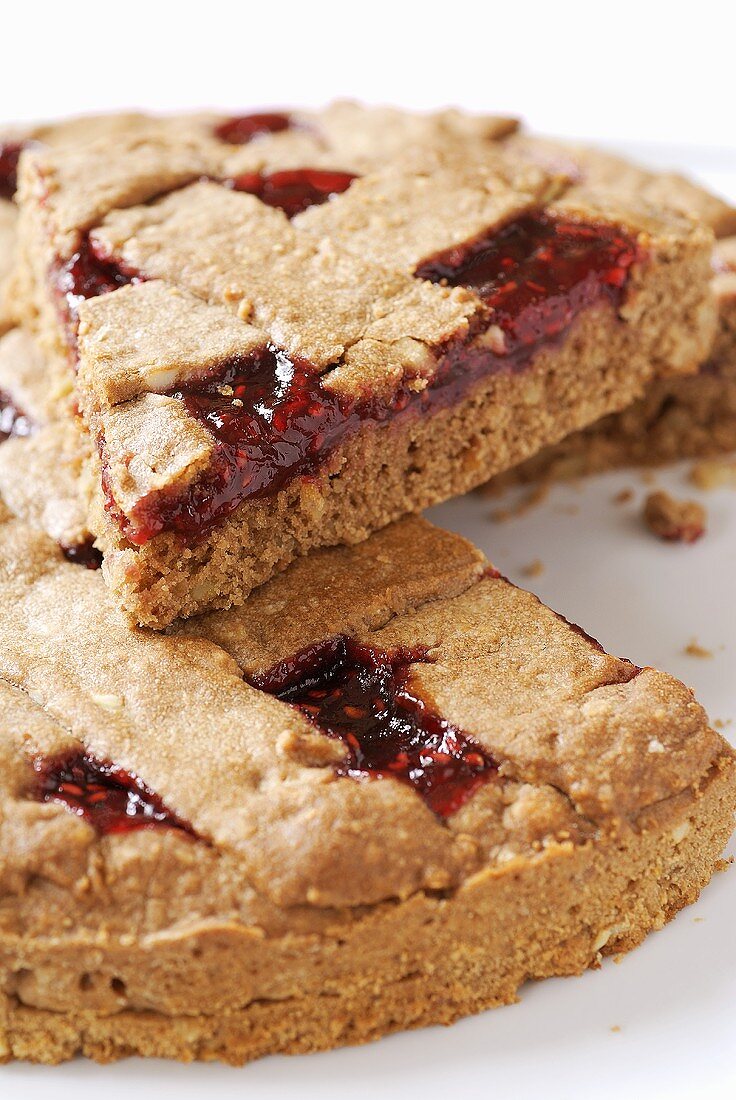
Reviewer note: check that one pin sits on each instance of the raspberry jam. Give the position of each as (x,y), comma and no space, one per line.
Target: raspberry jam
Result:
(10,152)
(362,696)
(87,274)
(110,799)
(537,274)
(83,553)
(13,421)
(293,190)
(241,130)
(270,418)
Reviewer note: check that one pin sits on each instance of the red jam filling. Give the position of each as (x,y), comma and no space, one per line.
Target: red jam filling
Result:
(87,274)
(273,419)
(270,419)
(10,152)
(13,421)
(110,799)
(83,553)
(537,274)
(293,190)
(241,130)
(362,697)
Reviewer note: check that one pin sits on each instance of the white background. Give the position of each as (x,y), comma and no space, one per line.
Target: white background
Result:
(656,79)
(629,70)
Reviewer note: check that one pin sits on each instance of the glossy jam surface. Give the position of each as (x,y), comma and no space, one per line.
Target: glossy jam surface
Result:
(83,553)
(107,797)
(13,421)
(10,152)
(87,274)
(362,696)
(270,418)
(537,274)
(241,130)
(294,190)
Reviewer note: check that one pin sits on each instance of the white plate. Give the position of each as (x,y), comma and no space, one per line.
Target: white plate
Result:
(662,1023)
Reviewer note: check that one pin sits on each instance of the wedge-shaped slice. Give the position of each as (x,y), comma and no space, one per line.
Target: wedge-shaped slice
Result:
(382,794)
(274,357)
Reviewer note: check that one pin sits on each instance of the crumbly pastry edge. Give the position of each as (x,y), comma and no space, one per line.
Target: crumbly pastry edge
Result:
(688,417)
(448,956)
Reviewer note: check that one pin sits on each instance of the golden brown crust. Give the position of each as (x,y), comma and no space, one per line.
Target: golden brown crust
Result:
(42,480)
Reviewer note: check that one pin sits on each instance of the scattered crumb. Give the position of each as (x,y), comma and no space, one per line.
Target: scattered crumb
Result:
(623,496)
(533,569)
(698,920)
(616,1028)
(535,496)
(722,723)
(713,474)
(674,520)
(694,649)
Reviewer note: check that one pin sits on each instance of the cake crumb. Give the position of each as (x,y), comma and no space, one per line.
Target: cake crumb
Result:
(533,569)
(694,649)
(623,496)
(674,520)
(722,723)
(713,474)
(536,496)
(616,1028)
